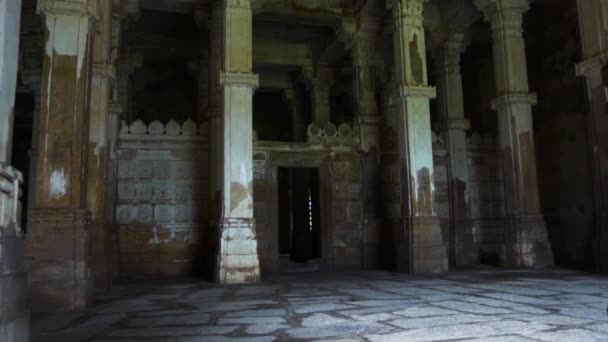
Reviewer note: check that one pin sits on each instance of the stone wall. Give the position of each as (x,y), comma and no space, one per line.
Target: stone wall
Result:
(343,233)
(346,218)
(486,198)
(14,313)
(162,197)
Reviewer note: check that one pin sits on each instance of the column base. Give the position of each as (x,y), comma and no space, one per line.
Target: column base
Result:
(58,259)
(466,244)
(237,262)
(14,313)
(426,249)
(601,237)
(101,263)
(527,244)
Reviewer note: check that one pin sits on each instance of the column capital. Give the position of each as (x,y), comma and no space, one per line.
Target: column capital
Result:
(505,16)
(321,77)
(239,79)
(237,3)
(513,98)
(590,65)
(449,53)
(69,7)
(456,125)
(408,12)
(104,70)
(405,91)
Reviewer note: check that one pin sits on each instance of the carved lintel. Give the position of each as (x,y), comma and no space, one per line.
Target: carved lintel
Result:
(239,79)
(69,7)
(514,98)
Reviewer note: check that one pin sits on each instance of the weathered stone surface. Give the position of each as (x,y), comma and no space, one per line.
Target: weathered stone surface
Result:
(225,313)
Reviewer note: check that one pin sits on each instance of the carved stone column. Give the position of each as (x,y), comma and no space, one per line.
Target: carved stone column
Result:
(237,261)
(527,243)
(450,104)
(421,247)
(215,109)
(14,314)
(318,82)
(298,124)
(362,45)
(58,242)
(102,75)
(10,15)
(593,21)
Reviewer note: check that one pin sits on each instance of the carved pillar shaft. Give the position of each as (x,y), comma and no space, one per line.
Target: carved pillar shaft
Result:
(450,104)
(319,84)
(237,261)
(527,242)
(593,21)
(10,14)
(364,85)
(298,124)
(214,110)
(102,74)
(422,249)
(57,247)
(14,312)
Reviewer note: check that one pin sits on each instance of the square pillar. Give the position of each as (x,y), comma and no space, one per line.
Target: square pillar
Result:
(237,260)
(362,45)
(421,249)
(58,253)
(527,243)
(450,105)
(102,76)
(14,311)
(593,25)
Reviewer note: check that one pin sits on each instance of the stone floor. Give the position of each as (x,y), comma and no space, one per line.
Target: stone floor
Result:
(486,305)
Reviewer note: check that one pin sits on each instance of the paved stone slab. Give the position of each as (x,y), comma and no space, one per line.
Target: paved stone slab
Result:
(487,305)
(472,307)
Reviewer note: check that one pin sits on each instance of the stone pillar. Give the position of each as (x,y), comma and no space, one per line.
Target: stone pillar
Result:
(527,243)
(593,21)
(237,261)
(450,105)
(14,314)
(421,247)
(362,47)
(318,82)
(298,124)
(215,110)
(57,246)
(102,75)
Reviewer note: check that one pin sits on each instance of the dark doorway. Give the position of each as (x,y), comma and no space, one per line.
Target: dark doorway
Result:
(299,216)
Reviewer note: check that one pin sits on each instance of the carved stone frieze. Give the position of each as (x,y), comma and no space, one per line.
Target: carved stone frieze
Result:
(330,135)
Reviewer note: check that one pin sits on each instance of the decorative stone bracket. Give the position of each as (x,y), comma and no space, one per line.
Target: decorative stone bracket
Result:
(330,135)
(10,179)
